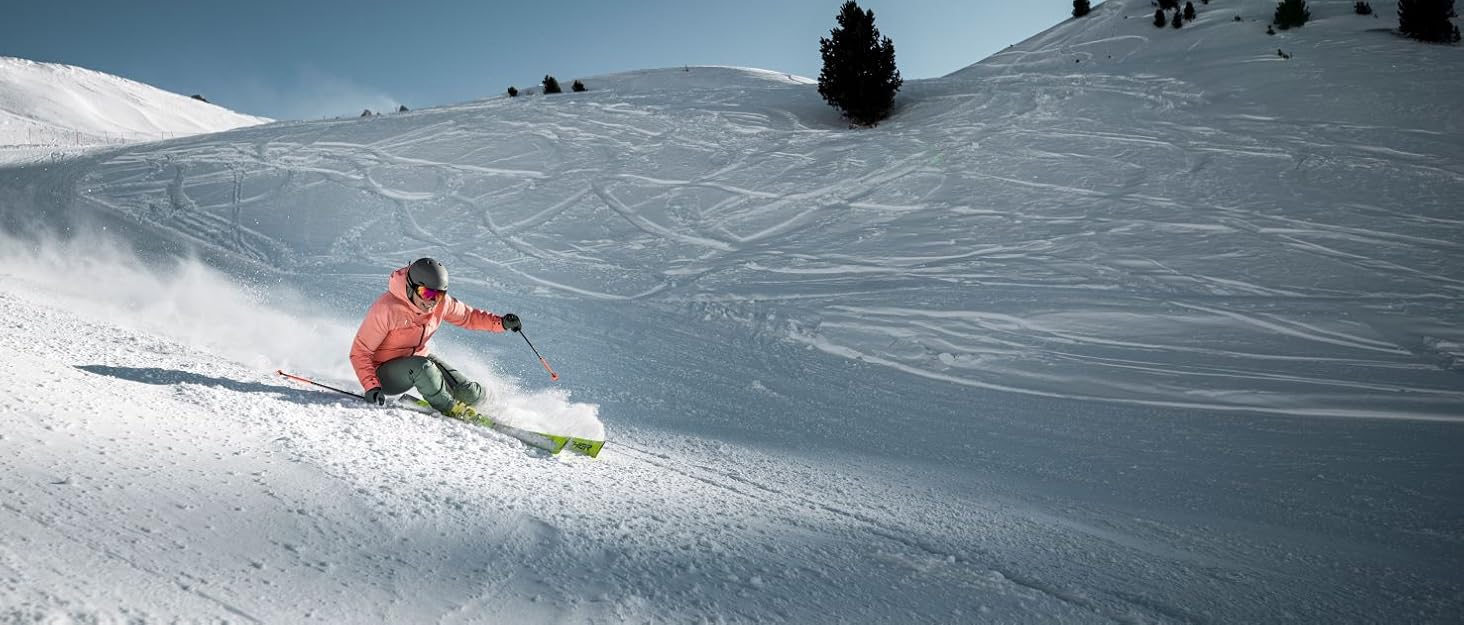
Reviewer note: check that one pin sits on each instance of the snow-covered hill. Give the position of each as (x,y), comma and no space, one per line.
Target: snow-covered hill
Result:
(1123,324)
(54,105)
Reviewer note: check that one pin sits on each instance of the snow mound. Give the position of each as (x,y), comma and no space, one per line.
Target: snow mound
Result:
(54,104)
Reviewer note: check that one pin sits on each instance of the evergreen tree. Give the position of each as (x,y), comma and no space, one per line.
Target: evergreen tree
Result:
(859,75)
(1291,13)
(1159,20)
(1427,20)
(1081,8)
(551,85)
(512,91)
(1168,4)
(1362,8)
(1178,21)
(1189,11)
(577,86)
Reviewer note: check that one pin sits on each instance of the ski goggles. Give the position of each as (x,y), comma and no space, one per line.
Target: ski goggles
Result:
(429,294)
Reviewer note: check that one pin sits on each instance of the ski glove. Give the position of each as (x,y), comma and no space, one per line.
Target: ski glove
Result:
(511,323)
(375,396)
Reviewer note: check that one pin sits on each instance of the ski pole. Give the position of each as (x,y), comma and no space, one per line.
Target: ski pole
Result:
(552,375)
(310,381)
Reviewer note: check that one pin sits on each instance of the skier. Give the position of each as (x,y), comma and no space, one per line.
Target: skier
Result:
(390,353)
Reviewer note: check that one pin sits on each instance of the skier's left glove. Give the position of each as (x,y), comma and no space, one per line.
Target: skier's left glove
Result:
(375,396)
(511,323)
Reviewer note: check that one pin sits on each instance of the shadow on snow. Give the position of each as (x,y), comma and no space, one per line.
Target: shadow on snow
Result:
(168,377)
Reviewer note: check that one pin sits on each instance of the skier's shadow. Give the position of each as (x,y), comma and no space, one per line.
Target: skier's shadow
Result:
(168,377)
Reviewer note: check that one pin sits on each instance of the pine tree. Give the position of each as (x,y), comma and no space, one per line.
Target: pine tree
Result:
(859,75)
(1427,20)
(1168,4)
(577,86)
(1159,20)
(1178,21)
(512,91)
(1291,13)
(551,85)
(1189,11)
(1081,8)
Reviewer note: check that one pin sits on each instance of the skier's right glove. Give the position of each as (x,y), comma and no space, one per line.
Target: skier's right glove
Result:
(375,396)
(511,323)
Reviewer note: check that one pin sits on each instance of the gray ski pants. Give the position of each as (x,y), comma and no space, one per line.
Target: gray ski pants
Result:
(439,383)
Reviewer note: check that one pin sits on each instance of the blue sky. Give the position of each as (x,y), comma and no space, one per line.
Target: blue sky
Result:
(322,58)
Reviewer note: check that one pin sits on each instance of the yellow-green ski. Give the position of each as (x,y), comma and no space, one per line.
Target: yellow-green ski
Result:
(551,443)
(587,446)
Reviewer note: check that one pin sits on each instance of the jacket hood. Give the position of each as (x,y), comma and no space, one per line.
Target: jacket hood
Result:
(397,285)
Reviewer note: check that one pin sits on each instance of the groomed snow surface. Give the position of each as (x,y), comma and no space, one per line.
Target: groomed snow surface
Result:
(1120,325)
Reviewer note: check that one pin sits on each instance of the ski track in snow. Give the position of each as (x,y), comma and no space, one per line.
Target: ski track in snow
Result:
(421,189)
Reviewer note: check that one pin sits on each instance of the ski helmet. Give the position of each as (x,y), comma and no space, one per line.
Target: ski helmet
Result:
(427,272)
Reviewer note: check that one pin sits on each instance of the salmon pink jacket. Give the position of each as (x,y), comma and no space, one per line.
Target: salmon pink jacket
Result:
(394,327)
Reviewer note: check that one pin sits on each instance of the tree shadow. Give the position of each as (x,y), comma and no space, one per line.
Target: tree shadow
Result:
(166,377)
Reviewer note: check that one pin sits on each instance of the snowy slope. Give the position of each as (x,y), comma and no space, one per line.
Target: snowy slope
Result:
(1122,324)
(49,104)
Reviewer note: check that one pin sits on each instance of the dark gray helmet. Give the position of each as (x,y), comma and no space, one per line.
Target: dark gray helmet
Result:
(427,272)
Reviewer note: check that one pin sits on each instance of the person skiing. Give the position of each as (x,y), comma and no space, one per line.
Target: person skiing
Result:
(390,352)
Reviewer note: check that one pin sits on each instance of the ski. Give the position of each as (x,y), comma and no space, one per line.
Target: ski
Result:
(548,442)
(551,443)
